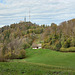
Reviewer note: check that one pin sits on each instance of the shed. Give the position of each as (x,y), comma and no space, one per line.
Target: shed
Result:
(36,46)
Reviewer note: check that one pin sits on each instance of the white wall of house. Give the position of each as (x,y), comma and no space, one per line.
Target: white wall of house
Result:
(34,48)
(39,47)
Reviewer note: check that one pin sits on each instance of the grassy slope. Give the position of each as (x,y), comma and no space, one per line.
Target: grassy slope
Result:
(21,68)
(41,62)
(45,56)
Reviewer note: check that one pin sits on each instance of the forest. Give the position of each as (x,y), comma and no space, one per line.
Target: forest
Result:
(17,37)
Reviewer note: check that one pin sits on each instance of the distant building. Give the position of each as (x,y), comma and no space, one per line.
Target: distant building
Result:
(36,46)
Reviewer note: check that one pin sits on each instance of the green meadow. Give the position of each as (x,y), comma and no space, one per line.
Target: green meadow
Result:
(40,62)
(50,57)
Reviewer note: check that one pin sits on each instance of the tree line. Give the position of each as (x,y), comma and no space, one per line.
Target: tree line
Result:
(62,37)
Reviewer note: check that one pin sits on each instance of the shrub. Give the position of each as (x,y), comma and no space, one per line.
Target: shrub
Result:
(70,49)
(14,55)
(72,42)
(58,46)
(4,49)
(43,45)
(53,47)
(26,45)
(10,55)
(65,45)
(22,54)
(46,45)
(63,49)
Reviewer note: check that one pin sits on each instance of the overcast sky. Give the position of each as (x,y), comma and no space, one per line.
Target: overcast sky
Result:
(41,11)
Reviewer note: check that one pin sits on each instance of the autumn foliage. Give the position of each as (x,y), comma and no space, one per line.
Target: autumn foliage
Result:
(19,36)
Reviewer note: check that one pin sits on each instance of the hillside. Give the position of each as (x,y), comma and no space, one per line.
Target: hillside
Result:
(20,36)
(41,62)
(49,57)
(57,56)
(60,37)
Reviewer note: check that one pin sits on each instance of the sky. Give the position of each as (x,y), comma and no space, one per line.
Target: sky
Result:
(41,11)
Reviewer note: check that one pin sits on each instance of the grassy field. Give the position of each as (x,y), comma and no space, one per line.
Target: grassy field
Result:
(49,57)
(21,68)
(40,62)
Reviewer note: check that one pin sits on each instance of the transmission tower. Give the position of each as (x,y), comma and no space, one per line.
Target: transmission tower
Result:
(25,19)
(29,15)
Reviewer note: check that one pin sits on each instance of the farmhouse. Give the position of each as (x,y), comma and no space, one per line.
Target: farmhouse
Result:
(36,46)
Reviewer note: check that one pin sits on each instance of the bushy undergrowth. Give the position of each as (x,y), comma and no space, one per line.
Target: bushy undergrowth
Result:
(13,55)
(70,49)
(22,54)
(10,55)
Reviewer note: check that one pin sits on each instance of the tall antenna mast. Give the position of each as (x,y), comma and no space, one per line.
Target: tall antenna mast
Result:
(29,15)
(25,19)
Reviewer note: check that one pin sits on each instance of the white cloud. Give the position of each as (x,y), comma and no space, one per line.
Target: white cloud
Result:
(42,12)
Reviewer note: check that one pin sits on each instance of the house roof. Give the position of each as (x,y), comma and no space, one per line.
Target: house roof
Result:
(39,45)
(36,45)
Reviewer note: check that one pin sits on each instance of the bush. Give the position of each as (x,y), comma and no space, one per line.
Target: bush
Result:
(63,49)
(46,45)
(26,45)
(8,55)
(70,49)
(53,47)
(58,46)
(4,49)
(65,45)
(22,54)
(11,56)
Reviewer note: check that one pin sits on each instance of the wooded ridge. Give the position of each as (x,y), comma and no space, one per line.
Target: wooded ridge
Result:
(17,37)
